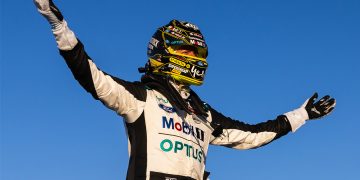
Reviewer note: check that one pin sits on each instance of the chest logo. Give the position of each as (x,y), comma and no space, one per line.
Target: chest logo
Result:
(165,105)
(167,108)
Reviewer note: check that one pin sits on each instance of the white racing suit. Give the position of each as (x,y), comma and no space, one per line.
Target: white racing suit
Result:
(164,143)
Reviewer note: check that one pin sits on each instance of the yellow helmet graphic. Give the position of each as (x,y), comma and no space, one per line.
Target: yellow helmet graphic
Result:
(178,50)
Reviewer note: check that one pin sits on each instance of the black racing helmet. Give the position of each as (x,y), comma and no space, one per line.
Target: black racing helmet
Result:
(164,59)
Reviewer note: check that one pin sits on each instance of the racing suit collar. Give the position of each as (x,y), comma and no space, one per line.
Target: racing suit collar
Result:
(184,90)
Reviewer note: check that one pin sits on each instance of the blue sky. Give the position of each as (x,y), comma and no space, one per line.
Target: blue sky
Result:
(265,59)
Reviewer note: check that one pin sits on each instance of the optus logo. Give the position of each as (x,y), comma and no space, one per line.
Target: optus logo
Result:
(167,145)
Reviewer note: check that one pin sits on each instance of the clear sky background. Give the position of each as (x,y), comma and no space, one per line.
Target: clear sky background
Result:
(265,59)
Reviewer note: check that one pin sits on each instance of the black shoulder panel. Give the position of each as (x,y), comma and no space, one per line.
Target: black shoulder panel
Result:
(138,89)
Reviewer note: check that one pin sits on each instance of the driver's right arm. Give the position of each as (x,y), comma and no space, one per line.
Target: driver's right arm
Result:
(125,98)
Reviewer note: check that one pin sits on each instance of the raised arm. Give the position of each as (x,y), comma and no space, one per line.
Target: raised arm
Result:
(240,135)
(125,98)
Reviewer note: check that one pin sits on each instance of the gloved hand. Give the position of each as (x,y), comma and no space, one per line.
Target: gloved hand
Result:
(320,108)
(311,109)
(48,9)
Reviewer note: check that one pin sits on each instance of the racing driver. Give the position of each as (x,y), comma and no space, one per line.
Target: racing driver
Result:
(169,127)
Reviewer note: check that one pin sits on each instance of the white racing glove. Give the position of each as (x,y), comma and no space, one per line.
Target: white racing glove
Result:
(311,110)
(65,38)
(48,9)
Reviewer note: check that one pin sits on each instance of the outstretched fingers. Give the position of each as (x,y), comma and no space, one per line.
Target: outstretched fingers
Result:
(323,100)
(313,98)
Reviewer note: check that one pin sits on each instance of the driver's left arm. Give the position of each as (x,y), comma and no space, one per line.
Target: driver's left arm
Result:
(239,135)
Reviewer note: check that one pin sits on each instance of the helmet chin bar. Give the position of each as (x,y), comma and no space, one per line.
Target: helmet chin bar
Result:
(185,70)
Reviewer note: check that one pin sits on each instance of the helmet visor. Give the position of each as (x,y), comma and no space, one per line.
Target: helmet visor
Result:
(176,44)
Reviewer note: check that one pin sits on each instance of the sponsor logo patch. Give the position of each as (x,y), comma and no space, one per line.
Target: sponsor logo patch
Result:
(167,108)
(168,145)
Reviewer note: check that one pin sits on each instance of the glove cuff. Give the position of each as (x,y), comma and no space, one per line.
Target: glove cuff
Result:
(52,19)
(297,118)
(65,38)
